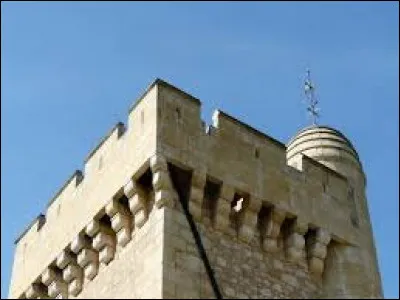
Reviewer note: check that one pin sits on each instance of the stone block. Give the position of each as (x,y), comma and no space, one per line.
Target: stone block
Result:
(75,287)
(316,265)
(136,203)
(103,239)
(246,233)
(221,223)
(195,210)
(270,245)
(295,240)
(130,188)
(227,192)
(300,226)
(223,207)
(277,215)
(90,270)
(163,197)
(323,236)
(48,276)
(63,259)
(58,288)
(78,243)
(250,218)
(123,236)
(112,207)
(196,195)
(291,280)
(318,250)
(92,228)
(140,218)
(87,256)
(119,221)
(106,254)
(35,291)
(71,272)
(272,229)
(161,180)
(157,163)
(294,254)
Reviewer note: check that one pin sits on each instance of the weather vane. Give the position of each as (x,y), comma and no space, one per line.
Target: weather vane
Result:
(309,90)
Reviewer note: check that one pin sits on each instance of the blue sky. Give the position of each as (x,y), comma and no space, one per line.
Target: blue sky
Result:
(70,71)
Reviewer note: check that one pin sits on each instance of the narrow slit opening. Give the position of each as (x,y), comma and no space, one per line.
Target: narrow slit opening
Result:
(105,221)
(285,231)
(211,194)
(145,182)
(309,238)
(124,201)
(262,220)
(181,180)
(238,206)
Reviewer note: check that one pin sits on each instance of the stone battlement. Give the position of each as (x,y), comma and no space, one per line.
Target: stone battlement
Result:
(129,176)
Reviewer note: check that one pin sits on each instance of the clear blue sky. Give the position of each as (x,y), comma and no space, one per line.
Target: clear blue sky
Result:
(70,71)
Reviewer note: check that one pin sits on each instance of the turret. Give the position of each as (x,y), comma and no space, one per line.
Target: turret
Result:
(351,270)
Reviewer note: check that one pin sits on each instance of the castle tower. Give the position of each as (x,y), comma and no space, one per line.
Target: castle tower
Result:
(167,207)
(353,268)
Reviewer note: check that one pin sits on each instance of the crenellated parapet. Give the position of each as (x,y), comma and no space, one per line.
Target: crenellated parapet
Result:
(259,199)
(110,230)
(237,214)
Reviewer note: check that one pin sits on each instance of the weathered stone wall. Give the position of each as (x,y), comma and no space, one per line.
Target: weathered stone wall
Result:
(250,163)
(228,153)
(135,272)
(242,270)
(119,253)
(118,158)
(273,229)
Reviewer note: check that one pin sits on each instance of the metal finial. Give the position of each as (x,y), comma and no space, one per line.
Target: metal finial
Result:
(309,90)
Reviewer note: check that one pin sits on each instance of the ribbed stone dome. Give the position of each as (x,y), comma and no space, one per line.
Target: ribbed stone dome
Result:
(324,144)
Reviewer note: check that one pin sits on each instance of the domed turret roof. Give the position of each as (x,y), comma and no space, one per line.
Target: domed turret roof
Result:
(320,142)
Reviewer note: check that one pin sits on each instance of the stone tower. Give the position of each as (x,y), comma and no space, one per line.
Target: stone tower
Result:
(168,207)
